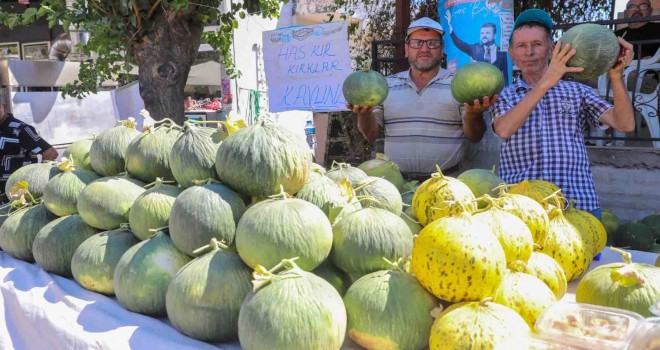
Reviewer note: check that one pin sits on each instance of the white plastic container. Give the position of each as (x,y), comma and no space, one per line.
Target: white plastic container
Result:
(646,336)
(587,326)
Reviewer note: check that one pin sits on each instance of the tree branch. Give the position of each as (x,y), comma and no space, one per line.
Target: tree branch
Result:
(138,20)
(152,9)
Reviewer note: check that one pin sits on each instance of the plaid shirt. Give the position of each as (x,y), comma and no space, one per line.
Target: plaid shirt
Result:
(550,144)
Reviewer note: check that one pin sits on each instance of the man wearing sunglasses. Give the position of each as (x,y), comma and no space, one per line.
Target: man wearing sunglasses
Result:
(640,30)
(423,124)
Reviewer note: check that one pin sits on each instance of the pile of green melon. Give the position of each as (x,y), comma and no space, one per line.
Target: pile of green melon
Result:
(235,234)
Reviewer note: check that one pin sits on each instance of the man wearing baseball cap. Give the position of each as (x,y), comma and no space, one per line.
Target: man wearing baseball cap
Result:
(541,117)
(423,124)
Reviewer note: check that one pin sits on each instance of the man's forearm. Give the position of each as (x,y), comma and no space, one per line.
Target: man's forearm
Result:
(368,126)
(474,126)
(623,118)
(510,122)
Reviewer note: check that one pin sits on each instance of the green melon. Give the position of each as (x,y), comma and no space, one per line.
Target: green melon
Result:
(148,155)
(389,310)
(79,152)
(151,210)
(258,160)
(291,309)
(341,171)
(363,238)
(325,194)
(611,223)
(653,223)
(145,271)
(481,182)
(36,175)
(596,49)
(55,244)
(365,88)
(193,155)
(107,153)
(204,299)
(62,191)
(94,261)
(634,235)
(105,203)
(19,229)
(475,80)
(385,195)
(284,228)
(192,227)
(381,166)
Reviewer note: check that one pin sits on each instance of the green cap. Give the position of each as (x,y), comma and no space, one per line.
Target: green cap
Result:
(533,15)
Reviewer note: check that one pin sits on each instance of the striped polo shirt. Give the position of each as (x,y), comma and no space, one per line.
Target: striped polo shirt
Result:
(422,128)
(550,143)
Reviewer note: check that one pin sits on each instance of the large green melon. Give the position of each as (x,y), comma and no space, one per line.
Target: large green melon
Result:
(389,309)
(192,227)
(62,191)
(475,80)
(79,152)
(480,182)
(284,228)
(105,203)
(205,297)
(596,49)
(291,310)
(148,155)
(36,175)
(151,210)
(193,155)
(94,261)
(55,244)
(365,88)
(19,229)
(634,235)
(257,160)
(107,153)
(145,271)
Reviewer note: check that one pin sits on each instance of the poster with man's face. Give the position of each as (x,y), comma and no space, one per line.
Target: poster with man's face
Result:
(477,31)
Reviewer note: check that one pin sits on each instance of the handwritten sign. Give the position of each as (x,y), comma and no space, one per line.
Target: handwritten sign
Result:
(306,67)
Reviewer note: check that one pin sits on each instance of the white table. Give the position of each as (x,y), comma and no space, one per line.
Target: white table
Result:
(45,311)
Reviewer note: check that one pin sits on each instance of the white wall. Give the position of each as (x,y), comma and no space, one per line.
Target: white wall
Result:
(248,57)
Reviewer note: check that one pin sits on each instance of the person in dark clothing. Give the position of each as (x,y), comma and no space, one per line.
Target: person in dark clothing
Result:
(484,51)
(19,145)
(640,30)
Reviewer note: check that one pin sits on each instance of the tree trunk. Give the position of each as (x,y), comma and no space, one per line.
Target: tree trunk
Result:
(164,58)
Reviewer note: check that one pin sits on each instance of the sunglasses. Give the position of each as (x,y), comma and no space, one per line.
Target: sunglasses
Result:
(640,6)
(431,44)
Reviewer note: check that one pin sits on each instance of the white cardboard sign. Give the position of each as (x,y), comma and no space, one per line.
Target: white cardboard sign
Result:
(306,67)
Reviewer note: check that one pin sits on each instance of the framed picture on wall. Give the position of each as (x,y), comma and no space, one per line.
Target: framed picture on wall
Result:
(10,51)
(36,51)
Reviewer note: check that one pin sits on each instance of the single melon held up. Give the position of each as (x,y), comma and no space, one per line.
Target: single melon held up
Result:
(475,80)
(365,88)
(596,49)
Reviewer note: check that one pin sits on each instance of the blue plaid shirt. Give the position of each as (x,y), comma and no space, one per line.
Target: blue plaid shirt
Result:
(550,144)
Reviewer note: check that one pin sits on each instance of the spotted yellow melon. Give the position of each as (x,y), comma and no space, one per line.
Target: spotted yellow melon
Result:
(526,294)
(592,230)
(441,196)
(476,325)
(529,211)
(547,270)
(566,245)
(457,259)
(541,191)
